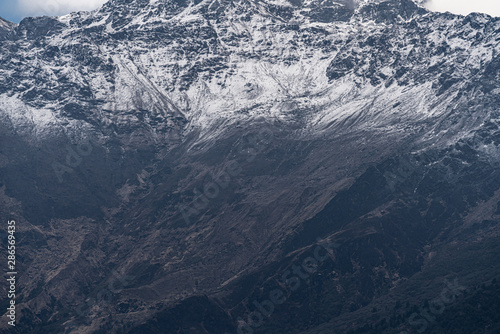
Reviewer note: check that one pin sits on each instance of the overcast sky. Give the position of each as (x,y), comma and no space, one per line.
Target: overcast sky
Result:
(465,7)
(15,10)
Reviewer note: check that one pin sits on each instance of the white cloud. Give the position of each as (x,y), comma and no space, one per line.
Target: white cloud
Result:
(62,7)
(464,7)
(56,7)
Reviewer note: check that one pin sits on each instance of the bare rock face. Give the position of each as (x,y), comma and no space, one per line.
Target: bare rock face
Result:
(6,28)
(170,164)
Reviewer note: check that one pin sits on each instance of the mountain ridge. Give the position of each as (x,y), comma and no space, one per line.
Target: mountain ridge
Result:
(269,125)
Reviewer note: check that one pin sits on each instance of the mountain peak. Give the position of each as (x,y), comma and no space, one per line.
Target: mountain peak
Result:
(5,27)
(5,24)
(163,139)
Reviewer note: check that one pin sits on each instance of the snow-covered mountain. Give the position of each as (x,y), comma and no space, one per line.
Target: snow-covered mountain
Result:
(5,27)
(171,67)
(380,121)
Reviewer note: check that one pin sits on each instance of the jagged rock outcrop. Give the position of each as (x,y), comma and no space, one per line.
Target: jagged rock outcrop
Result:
(165,157)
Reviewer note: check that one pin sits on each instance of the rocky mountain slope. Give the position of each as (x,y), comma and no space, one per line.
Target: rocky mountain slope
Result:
(168,162)
(5,27)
